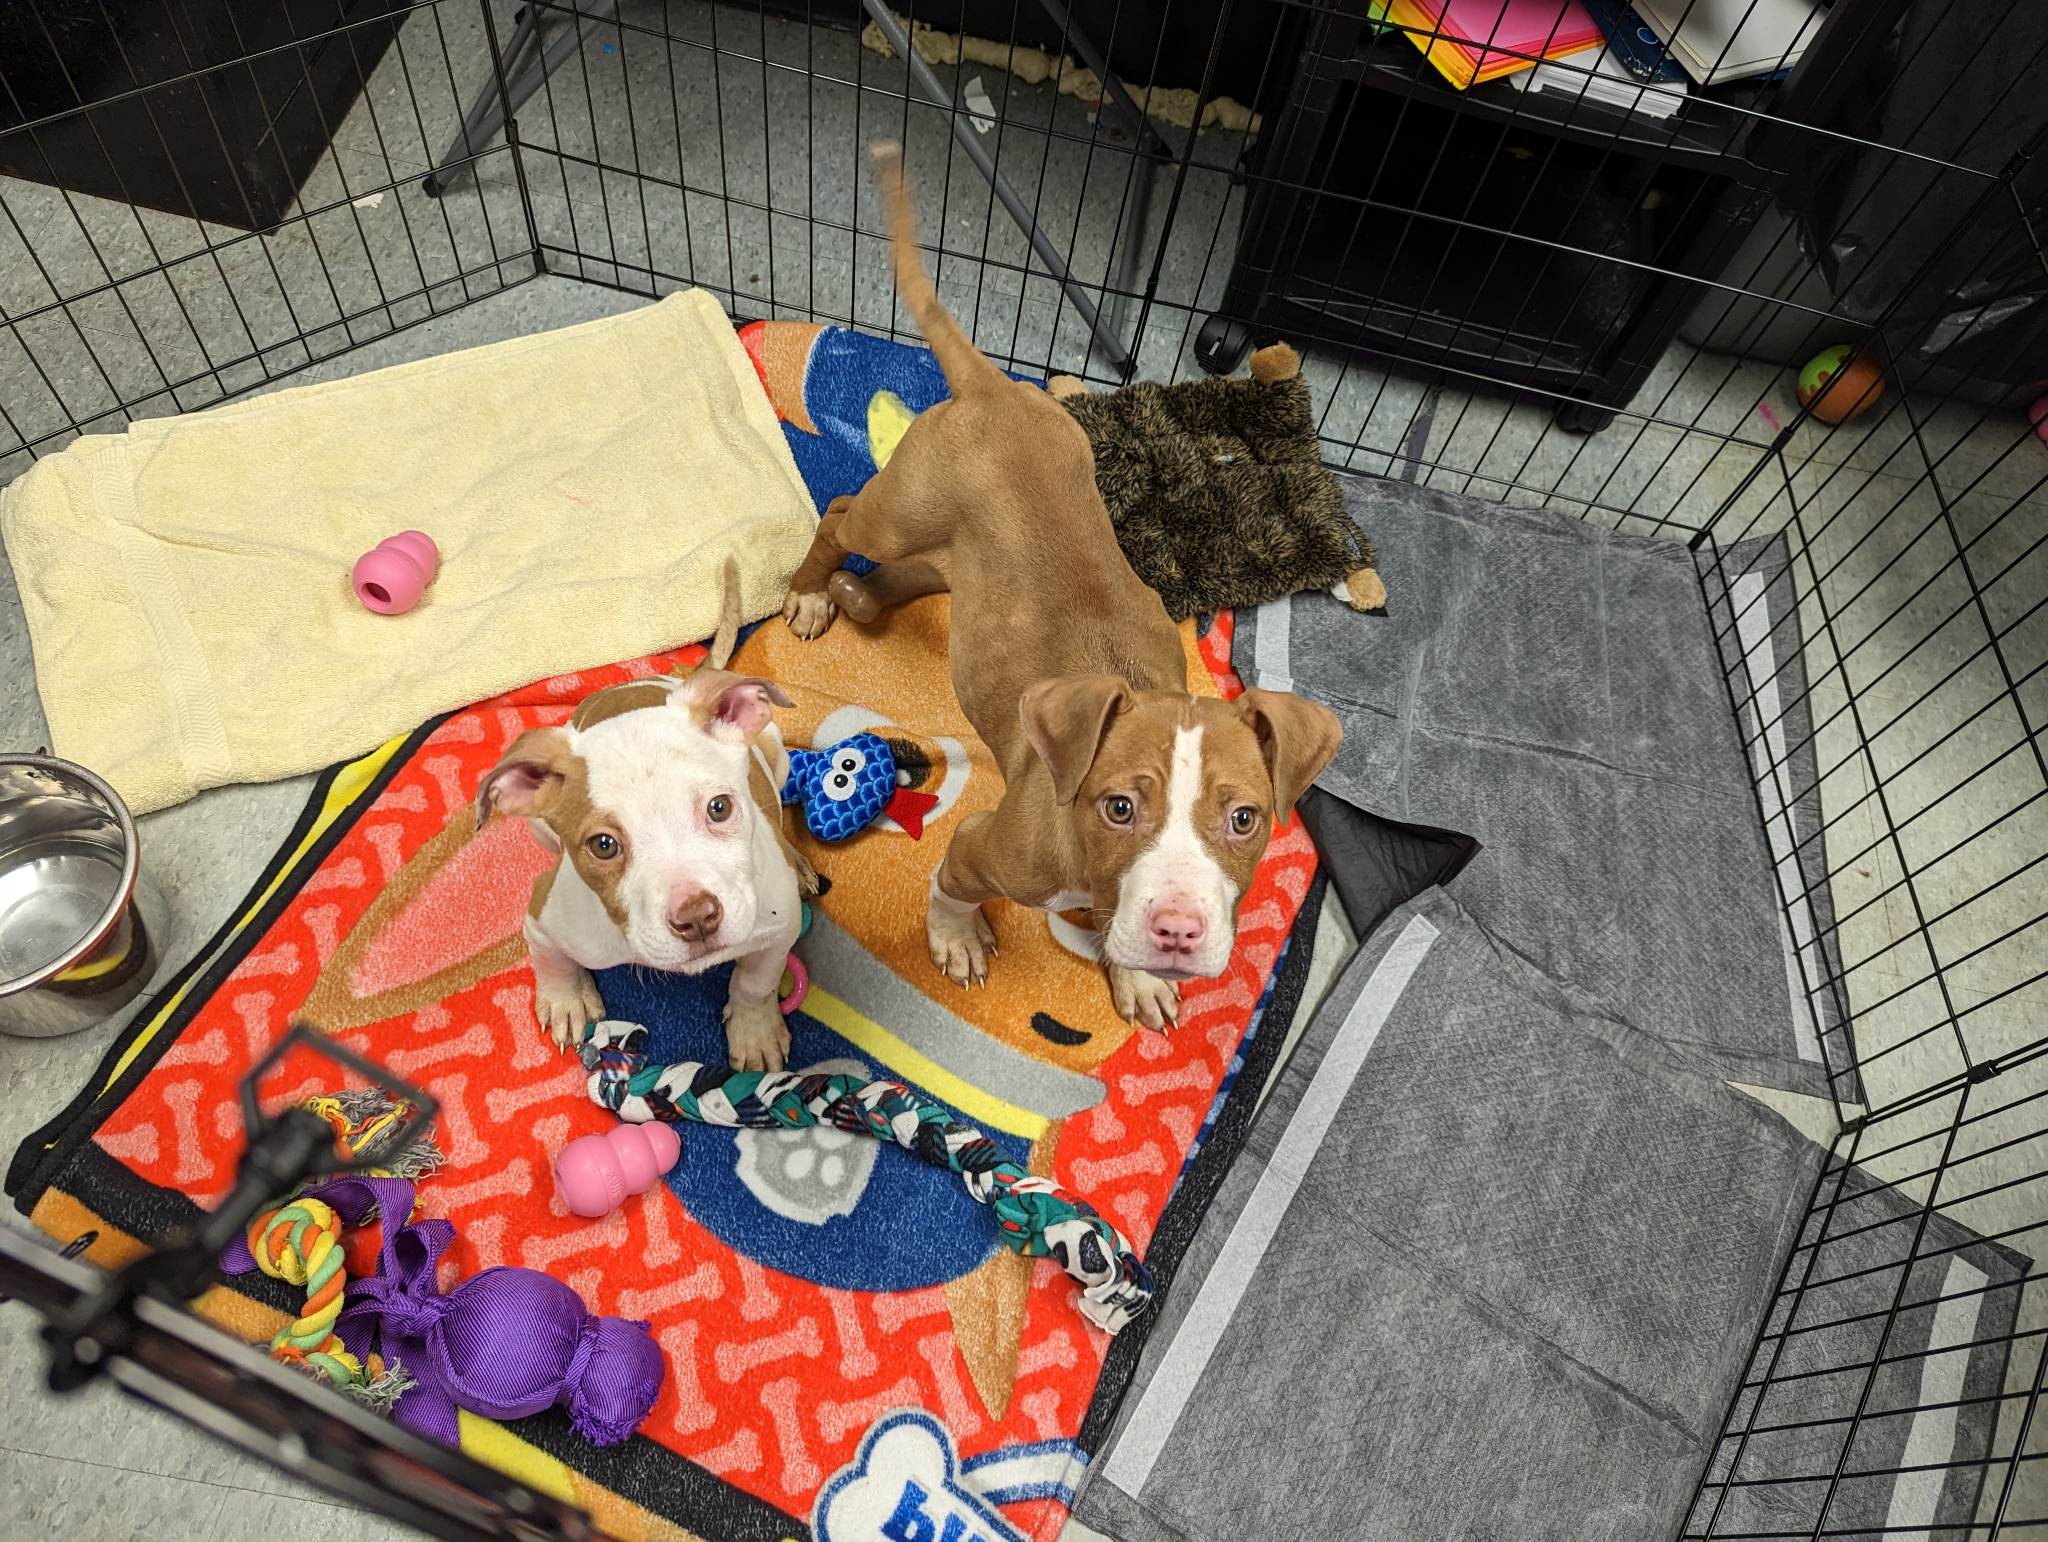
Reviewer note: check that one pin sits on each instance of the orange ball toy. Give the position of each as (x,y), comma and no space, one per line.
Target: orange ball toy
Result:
(1840,384)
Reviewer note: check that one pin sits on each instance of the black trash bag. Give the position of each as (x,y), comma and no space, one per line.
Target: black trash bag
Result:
(1950,276)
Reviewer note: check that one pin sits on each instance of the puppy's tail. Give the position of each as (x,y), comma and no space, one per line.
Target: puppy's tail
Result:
(967,369)
(727,637)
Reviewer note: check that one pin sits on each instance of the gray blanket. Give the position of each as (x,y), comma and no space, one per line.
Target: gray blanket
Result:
(1553,689)
(1928,1387)
(1492,1265)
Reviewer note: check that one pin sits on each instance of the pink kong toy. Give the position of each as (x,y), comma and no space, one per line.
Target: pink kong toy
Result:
(595,1173)
(391,576)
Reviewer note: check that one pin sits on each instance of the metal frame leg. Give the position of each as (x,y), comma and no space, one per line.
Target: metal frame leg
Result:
(1276,188)
(1128,254)
(527,65)
(966,138)
(1151,146)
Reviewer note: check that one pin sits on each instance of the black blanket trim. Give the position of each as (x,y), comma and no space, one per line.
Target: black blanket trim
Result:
(1191,1199)
(39,1158)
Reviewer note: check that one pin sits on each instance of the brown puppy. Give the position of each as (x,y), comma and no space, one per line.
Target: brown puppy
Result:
(1122,792)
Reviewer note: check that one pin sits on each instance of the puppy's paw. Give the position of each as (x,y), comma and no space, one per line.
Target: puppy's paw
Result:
(756,1035)
(1144,998)
(961,943)
(808,883)
(808,614)
(566,1004)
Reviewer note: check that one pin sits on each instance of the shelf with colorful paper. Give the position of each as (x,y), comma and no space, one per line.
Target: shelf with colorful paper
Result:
(1472,42)
(1708,128)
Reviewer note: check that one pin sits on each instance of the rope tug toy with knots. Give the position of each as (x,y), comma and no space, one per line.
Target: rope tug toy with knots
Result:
(1034,1216)
(299,1242)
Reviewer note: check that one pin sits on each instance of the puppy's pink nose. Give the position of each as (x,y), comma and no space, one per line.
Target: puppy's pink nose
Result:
(694,914)
(1174,930)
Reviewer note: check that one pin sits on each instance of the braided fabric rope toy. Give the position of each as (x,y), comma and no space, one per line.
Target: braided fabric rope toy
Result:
(299,1242)
(1034,1216)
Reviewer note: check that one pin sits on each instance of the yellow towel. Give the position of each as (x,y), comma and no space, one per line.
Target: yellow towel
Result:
(187,582)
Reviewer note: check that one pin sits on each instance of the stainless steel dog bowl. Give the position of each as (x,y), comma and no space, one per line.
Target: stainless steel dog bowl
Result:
(80,929)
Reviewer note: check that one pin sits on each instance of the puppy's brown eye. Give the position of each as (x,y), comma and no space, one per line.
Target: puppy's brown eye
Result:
(719,809)
(603,846)
(1243,819)
(1119,810)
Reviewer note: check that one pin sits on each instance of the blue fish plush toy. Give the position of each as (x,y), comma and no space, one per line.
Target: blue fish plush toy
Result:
(845,788)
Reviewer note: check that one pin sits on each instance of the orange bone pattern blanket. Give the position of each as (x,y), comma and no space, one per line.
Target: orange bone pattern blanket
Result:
(849,1348)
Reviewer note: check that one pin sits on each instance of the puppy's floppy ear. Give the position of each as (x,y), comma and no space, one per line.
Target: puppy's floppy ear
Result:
(527,779)
(1297,738)
(1065,719)
(730,706)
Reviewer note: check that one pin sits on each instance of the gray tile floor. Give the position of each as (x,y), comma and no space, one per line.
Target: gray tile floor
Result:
(1918,533)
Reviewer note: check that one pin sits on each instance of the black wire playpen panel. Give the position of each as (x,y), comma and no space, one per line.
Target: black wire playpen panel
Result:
(1541,292)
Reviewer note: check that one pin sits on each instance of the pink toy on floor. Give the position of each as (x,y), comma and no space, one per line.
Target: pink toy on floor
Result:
(392,575)
(595,1173)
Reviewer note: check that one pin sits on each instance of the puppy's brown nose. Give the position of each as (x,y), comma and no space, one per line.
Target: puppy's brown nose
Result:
(695,915)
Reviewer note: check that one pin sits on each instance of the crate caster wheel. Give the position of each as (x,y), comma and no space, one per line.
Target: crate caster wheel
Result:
(1222,345)
(1582,417)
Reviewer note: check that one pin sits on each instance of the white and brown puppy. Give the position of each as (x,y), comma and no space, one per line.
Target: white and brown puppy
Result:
(661,799)
(1122,792)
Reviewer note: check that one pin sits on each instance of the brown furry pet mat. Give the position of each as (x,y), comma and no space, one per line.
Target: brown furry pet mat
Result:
(1218,490)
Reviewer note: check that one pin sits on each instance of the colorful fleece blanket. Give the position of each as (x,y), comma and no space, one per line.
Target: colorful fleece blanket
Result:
(849,1348)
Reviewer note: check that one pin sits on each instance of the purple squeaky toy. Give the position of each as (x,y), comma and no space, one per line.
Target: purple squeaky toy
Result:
(505,1343)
